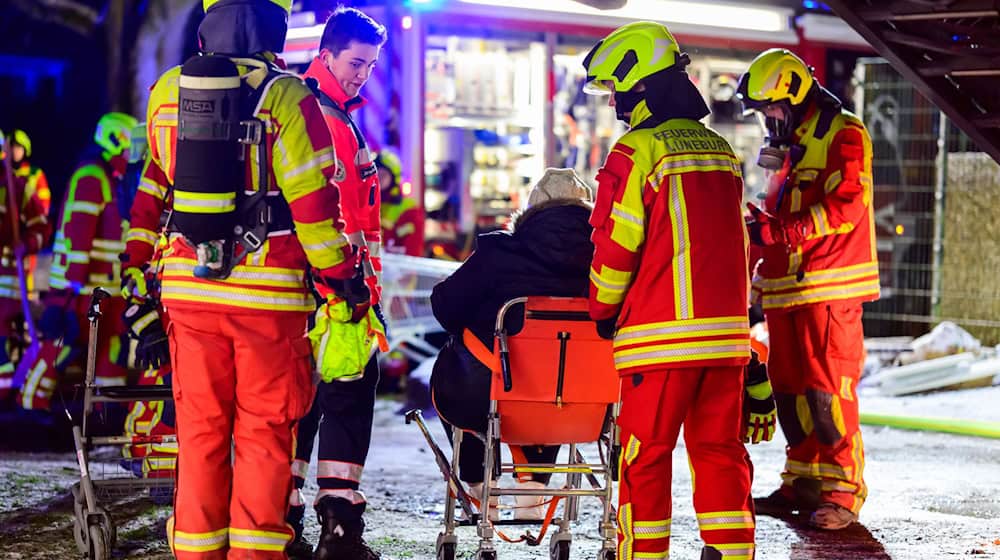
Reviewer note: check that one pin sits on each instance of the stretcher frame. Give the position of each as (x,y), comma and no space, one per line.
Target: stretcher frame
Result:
(599,475)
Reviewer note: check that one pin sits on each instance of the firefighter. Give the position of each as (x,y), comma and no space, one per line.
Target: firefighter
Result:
(669,283)
(85,253)
(344,408)
(402,220)
(149,348)
(819,265)
(33,231)
(252,217)
(37,184)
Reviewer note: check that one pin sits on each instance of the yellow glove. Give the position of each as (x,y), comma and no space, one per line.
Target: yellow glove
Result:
(760,415)
(134,283)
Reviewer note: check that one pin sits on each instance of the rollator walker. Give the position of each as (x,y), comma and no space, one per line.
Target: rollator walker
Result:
(93,528)
(554,383)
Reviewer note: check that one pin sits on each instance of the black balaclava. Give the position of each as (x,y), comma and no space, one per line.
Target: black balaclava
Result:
(243,28)
(670,94)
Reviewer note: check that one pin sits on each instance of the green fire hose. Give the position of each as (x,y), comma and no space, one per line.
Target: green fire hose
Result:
(977,428)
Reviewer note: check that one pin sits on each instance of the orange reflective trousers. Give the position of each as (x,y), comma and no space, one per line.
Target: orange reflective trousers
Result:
(815,361)
(708,403)
(241,382)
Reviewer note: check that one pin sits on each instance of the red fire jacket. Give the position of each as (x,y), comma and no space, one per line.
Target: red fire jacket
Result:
(360,196)
(670,252)
(828,197)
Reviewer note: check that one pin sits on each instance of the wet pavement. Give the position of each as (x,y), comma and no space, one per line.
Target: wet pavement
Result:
(932,496)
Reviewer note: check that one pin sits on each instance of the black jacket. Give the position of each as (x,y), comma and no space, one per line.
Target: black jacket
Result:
(548,252)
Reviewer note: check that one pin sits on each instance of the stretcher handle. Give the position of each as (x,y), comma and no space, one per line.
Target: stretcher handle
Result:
(505,361)
(94,313)
(563,340)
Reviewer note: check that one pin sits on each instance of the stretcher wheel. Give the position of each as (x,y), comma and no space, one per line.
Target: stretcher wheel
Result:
(606,555)
(559,550)
(446,551)
(99,546)
(486,555)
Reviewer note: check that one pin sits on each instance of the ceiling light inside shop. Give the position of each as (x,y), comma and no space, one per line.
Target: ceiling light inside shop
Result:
(668,11)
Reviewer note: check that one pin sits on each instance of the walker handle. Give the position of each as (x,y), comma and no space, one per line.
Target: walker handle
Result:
(94,313)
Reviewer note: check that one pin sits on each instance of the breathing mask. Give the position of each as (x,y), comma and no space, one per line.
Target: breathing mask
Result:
(778,128)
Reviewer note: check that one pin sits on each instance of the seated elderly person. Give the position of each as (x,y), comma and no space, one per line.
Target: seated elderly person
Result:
(545,252)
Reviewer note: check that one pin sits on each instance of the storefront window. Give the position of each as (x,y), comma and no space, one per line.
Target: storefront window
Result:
(483,140)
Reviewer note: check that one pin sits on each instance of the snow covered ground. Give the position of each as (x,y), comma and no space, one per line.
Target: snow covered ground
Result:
(932,496)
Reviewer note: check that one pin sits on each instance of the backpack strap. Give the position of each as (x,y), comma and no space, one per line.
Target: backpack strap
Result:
(252,209)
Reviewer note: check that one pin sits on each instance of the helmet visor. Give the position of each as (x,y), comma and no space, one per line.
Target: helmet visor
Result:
(598,87)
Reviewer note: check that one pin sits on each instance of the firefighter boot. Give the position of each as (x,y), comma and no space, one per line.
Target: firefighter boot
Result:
(802,497)
(832,517)
(340,541)
(299,548)
(710,553)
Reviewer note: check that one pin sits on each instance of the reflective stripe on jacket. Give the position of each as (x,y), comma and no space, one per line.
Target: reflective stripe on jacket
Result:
(301,169)
(670,256)
(89,239)
(829,196)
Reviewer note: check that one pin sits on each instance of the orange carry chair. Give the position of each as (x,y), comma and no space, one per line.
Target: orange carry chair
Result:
(554,383)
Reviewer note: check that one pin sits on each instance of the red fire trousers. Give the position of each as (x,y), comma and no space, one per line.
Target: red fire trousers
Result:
(815,362)
(708,403)
(241,382)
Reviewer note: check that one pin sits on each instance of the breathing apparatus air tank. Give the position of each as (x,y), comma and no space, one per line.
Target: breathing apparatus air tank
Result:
(209,170)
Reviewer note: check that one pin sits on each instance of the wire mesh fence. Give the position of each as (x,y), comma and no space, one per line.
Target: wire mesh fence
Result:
(934,213)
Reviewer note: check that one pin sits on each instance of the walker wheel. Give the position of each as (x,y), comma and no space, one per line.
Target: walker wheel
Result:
(99,549)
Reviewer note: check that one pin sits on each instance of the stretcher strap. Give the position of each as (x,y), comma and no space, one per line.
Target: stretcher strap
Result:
(480,351)
(527,537)
(517,453)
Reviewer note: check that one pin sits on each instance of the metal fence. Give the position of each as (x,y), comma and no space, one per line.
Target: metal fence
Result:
(934,210)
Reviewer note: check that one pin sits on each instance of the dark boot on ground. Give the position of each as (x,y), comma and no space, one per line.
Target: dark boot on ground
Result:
(802,497)
(710,553)
(299,548)
(340,540)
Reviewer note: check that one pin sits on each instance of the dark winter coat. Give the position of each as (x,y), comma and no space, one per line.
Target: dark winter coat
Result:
(547,252)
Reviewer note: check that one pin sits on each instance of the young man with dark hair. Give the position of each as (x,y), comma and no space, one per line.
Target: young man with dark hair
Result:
(348,51)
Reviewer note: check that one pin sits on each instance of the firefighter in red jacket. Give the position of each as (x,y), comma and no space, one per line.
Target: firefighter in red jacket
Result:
(238,316)
(819,265)
(37,186)
(344,409)
(37,183)
(402,220)
(34,231)
(669,282)
(86,249)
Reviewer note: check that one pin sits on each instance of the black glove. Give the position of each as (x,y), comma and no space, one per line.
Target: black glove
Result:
(354,291)
(760,415)
(144,326)
(382,319)
(606,328)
